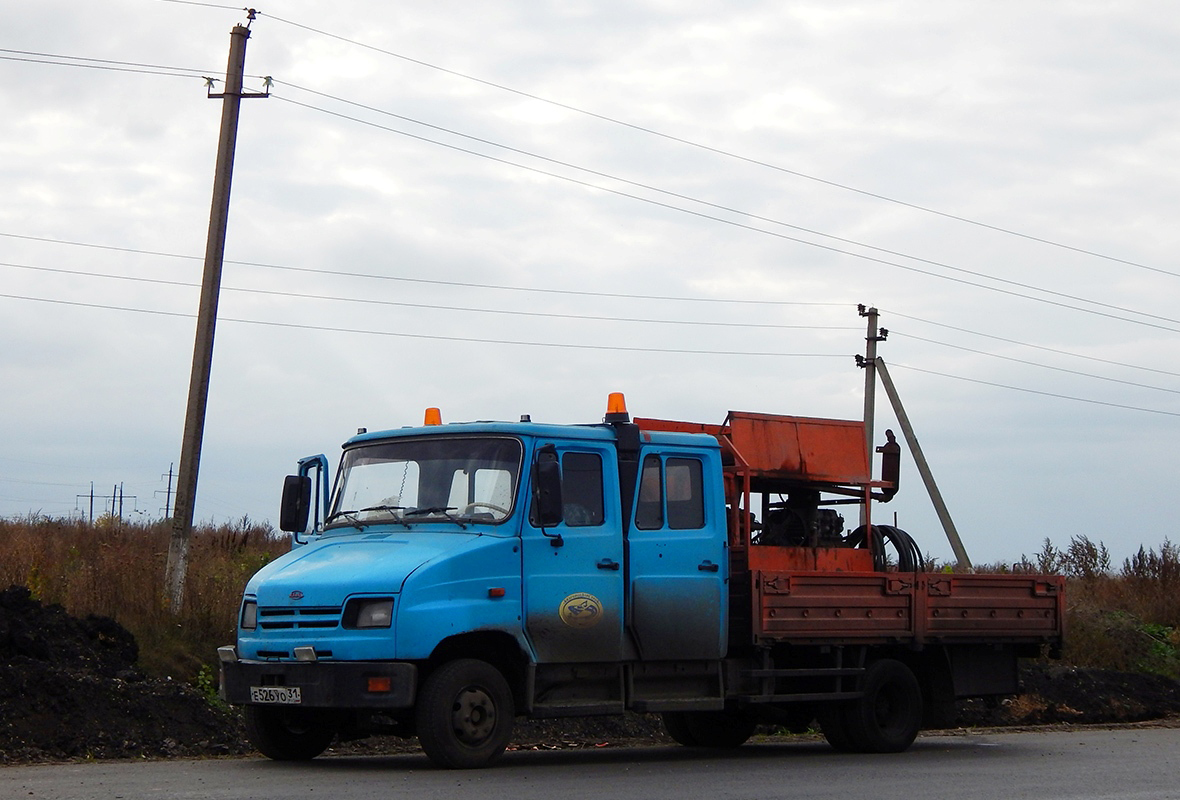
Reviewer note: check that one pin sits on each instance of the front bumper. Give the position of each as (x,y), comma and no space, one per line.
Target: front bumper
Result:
(325,684)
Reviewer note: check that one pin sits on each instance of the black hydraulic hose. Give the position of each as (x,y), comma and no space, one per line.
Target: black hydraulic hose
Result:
(909,557)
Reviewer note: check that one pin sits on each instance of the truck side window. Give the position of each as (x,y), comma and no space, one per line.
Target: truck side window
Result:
(581,489)
(649,509)
(686,502)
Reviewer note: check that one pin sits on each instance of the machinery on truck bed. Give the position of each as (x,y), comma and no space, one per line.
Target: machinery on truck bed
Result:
(461,575)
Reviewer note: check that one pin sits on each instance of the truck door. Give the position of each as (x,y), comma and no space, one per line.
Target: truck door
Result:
(678,558)
(573,576)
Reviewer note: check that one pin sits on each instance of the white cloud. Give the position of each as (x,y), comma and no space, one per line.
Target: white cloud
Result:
(1058,121)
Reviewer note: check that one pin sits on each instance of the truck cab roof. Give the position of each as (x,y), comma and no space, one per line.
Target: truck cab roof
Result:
(600,432)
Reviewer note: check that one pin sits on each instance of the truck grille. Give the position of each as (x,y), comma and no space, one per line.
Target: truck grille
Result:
(277,618)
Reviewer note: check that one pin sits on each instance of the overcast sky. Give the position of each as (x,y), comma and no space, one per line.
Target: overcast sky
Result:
(520,206)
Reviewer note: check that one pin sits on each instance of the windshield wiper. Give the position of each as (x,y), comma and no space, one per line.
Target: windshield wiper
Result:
(389,509)
(444,510)
(348,515)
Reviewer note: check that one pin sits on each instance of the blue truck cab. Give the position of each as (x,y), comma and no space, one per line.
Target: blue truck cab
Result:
(459,575)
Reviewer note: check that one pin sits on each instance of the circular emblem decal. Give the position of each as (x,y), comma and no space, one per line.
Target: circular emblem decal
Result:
(581,610)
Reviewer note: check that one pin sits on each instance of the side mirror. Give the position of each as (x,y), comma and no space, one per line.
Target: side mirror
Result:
(547,487)
(296,504)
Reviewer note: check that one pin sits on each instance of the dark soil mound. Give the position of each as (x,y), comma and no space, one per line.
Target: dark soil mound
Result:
(69,688)
(1054,693)
(46,633)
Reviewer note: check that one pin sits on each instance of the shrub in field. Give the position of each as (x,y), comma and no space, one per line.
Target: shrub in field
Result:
(1127,620)
(1153,583)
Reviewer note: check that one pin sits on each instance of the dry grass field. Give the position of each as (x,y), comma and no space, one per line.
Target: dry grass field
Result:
(1124,617)
(117,570)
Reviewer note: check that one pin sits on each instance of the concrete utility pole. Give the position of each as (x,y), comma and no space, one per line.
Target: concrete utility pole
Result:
(198,389)
(871,338)
(903,419)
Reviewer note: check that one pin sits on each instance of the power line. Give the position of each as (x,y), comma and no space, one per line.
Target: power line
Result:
(428,306)
(783,236)
(501,287)
(375,276)
(112,64)
(689,198)
(205,5)
(580,317)
(39,483)
(155,69)
(107,61)
(1037,391)
(104,67)
(894,332)
(472,340)
(572,346)
(994,337)
(429,281)
(726,153)
(127,66)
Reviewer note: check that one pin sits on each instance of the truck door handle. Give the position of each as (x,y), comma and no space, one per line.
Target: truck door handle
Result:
(606,563)
(707,566)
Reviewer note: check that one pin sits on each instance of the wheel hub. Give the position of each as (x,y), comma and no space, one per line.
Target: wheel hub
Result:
(473,716)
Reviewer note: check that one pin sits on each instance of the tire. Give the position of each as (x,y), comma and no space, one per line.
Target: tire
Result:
(714,729)
(888,716)
(835,729)
(676,724)
(464,714)
(289,734)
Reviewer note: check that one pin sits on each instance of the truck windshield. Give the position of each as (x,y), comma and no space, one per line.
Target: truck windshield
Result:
(460,479)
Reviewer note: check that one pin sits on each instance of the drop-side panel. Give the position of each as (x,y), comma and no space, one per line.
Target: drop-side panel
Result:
(1014,607)
(903,607)
(833,606)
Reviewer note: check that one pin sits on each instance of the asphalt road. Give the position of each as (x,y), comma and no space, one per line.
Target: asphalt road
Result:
(1128,764)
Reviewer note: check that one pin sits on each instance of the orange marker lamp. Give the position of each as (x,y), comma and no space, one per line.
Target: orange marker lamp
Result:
(616,409)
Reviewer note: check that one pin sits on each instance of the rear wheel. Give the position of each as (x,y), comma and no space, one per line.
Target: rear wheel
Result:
(465,714)
(676,724)
(717,729)
(835,728)
(289,734)
(887,717)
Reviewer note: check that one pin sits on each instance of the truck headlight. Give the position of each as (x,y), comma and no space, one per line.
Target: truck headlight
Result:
(250,615)
(369,613)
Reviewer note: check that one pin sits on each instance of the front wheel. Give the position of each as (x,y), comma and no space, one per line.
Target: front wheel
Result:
(289,734)
(465,714)
(887,717)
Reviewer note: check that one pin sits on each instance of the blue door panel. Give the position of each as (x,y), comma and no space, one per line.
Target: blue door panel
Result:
(679,595)
(573,594)
(676,617)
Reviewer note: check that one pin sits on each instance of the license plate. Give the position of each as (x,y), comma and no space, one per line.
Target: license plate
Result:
(280,695)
